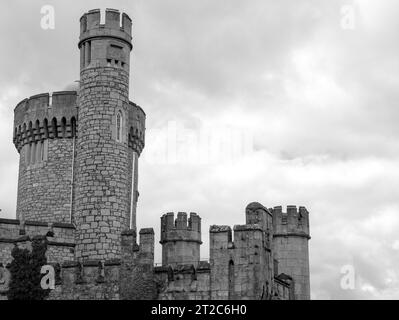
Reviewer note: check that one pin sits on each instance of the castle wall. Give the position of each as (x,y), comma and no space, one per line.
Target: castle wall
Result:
(283,290)
(60,239)
(91,280)
(44,189)
(184,282)
(220,247)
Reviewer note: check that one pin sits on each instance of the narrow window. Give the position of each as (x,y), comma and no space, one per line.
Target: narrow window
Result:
(119,127)
(45,126)
(89,51)
(38,157)
(37,131)
(54,128)
(30,130)
(27,154)
(73,127)
(33,153)
(63,127)
(42,150)
(231,279)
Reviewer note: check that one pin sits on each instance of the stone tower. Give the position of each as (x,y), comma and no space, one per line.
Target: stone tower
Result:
(44,135)
(110,137)
(290,244)
(180,239)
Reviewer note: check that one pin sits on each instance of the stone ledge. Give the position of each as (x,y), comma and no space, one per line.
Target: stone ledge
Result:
(217,229)
(129,233)
(36,223)
(70,264)
(61,244)
(179,239)
(147,231)
(248,227)
(184,268)
(9,221)
(113,262)
(7,240)
(63,225)
(163,269)
(292,234)
(203,266)
(91,263)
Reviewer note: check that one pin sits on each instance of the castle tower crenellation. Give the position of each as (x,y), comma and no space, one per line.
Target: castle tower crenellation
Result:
(293,220)
(117,29)
(180,239)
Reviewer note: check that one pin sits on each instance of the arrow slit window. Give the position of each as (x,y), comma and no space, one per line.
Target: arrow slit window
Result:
(119,127)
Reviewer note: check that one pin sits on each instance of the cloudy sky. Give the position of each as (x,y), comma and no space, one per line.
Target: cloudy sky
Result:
(297,99)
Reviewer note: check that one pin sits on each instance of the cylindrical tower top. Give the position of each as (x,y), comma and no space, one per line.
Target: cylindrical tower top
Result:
(105,44)
(180,239)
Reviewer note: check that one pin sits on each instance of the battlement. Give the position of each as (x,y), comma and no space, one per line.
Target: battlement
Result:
(89,272)
(181,228)
(45,116)
(294,222)
(180,239)
(116,25)
(11,230)
(184,281)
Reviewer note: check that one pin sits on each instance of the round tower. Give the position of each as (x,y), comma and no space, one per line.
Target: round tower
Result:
(111,137)
(290,247)
(180,239)
(44,136)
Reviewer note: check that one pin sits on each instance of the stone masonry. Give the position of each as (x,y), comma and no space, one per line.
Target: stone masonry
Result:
(78,192)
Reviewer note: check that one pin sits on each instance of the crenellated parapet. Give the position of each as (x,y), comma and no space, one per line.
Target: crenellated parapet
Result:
(60,238)
(116,31)
(90,279)
(115,25)
(181,228)
(45,116)
(293,222)
(180,238)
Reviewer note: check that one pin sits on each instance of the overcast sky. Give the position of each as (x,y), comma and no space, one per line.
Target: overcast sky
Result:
(299,100)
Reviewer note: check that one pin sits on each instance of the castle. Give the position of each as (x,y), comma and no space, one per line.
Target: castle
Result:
(78,192)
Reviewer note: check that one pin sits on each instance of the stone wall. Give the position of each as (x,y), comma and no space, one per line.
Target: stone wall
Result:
(183,282)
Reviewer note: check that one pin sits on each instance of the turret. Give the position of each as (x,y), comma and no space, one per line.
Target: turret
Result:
(111,137)
(180,239)
(44,135)
(290,244)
